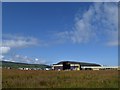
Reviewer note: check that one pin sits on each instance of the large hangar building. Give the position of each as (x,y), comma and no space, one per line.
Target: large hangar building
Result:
(72,65)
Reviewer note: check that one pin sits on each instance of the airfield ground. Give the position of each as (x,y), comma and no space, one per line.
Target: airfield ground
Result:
(12,78)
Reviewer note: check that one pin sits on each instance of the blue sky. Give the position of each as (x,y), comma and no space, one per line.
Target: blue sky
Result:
(51,32)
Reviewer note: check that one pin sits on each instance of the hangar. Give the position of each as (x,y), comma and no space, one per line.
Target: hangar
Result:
(72,65)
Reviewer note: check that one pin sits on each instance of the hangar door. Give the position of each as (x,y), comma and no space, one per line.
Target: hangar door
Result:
(66,65)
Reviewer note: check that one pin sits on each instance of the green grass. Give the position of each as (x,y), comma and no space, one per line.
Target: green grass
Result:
(59,79)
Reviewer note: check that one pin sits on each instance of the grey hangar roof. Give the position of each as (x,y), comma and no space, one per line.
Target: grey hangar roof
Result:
(81,63)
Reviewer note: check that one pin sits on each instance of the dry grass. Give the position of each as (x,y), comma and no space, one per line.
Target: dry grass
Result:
(57,79)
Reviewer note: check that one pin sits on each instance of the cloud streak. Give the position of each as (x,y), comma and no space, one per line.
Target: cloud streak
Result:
(4,49)
(18,41)
(12,41)
(26,59)
(98,23)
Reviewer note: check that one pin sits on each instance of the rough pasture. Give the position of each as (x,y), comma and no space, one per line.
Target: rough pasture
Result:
(59,79)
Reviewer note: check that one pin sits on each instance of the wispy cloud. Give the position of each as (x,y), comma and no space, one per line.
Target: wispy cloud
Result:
(13,41)
(1,57)
(18,41)
(99,22)
(24,59)
(113,39)
(4,50)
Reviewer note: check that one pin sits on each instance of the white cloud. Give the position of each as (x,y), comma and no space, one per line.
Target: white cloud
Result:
(99,16)
(13,41)
(4,50)
(18,41)
(36,59)
(113,39)
(26,59)
(113,43)
(1,57)
(98,22)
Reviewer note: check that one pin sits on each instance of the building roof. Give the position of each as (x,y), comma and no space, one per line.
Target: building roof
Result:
(81,63)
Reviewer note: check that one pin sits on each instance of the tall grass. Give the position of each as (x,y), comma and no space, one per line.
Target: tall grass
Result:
(57,79)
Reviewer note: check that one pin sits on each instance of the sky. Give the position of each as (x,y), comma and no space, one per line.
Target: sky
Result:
(46,33)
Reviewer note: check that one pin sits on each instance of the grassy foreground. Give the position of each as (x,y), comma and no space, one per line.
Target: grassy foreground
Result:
(59,79)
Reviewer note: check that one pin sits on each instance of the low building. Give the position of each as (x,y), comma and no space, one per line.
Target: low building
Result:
(71,65)
(101,67)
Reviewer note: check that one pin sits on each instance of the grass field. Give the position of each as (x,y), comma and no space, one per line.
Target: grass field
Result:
(59,79)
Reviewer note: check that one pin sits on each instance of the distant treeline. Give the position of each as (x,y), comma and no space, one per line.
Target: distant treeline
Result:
(5,64)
